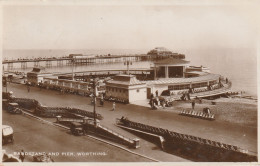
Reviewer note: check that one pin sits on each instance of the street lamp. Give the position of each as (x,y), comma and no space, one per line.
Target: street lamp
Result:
(128,63)
(5,83)
(72,60)
(94,83)
(4,79)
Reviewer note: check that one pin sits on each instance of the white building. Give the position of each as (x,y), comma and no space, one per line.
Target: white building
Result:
(126,87)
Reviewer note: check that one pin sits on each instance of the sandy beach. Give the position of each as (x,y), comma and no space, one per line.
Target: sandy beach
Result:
(239,111)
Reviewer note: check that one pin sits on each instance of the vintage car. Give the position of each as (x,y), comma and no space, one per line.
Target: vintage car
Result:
(9,157)
(166,97)
(77,128)
(7,134)
(14,108)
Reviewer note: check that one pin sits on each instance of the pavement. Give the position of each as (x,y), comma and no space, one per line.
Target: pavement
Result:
(242,136)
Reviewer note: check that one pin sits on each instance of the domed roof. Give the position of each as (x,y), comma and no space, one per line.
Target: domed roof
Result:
(159,51)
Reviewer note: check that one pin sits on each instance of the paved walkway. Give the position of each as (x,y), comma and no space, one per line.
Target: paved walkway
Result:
(242,136)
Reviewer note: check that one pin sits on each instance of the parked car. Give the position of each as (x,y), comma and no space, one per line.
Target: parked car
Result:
(77,128)
(14,108)
(9,157)
(166,97)
(7,134)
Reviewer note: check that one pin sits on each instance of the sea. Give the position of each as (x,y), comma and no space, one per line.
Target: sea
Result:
(239,65)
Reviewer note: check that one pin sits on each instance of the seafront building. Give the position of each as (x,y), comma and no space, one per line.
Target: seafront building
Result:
(127,88)
(37,75)
(172,76)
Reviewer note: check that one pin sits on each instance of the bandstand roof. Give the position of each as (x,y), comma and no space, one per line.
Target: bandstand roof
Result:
(171,61)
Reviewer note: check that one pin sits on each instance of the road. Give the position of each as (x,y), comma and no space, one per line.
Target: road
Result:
(34,136)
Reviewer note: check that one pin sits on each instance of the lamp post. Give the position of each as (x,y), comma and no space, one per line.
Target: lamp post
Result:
(5,83)
(73,60)
(94,85)
(128,63)
(4,79)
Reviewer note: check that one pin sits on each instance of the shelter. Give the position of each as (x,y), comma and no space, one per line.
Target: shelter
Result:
(37,75)
(170,68)
(126,87)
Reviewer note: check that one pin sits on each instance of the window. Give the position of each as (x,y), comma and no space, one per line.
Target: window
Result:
(178,87)
(199,85)
(212,82)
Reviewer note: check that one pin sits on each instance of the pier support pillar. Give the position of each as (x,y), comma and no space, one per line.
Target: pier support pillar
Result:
(48,64)
(60,63)
(36,64)
(10,66)
(23,65)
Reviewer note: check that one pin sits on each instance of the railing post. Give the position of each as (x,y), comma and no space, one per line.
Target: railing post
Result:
(136,143)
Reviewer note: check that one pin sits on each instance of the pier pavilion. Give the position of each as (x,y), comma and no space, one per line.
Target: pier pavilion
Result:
(162,53)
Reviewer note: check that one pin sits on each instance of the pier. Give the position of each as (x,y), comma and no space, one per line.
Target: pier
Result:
(60,61)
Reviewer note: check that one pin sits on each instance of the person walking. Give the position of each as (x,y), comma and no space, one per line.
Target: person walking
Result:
(193,104)
(163,104)
(156,93)
(92,98)
(22,155)
(40,85)
(28,88)
(102,100)
(114,106)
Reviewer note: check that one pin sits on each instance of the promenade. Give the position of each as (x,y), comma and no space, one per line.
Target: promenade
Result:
(218,130)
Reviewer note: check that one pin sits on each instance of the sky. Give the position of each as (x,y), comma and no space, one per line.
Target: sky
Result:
(129,26)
